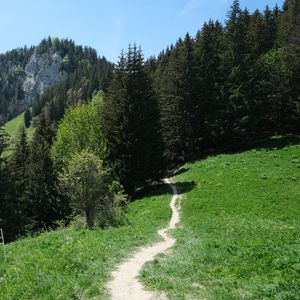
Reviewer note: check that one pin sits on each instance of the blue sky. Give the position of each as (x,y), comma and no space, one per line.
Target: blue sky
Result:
(109,25)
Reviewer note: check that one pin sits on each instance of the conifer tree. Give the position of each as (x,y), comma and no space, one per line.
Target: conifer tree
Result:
(131,123)
(177,103)
(3,140)
(210,107)
(236,69)
(17,181)
(5,208)
(270,27)
(286,22)
(45,205)
(27,117)
(3,146)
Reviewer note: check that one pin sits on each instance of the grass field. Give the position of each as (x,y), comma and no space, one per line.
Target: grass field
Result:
(13,127)
(239,237)
(76,264)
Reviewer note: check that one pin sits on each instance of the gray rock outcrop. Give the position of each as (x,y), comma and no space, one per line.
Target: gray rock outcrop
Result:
(41,72)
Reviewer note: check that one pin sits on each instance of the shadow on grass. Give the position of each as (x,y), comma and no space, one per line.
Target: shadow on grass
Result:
(269,143)
(161,188)
(179,171)
(184,187)
(276,142)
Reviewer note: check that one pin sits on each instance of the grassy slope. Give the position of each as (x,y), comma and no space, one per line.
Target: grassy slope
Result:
(76,264)
(239,237)
(13,127)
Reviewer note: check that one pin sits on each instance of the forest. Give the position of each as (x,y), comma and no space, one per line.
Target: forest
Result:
(108,130)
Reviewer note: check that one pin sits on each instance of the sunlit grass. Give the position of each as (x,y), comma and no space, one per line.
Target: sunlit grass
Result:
(12,128)
(76,264)
(239,237)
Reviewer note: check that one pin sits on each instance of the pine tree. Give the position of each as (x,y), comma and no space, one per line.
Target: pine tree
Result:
(3,146)
(5,209)
(210,107)
(27,117)
(131,124)
(45,205)
(17,182)
(270,27)
(177,103)
(286,22)
(3,140)
(236,65)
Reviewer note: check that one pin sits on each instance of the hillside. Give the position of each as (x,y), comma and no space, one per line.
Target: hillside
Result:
(13,127)
(82,202)
(239,237)
(26,73)
(75,264)
(235,241)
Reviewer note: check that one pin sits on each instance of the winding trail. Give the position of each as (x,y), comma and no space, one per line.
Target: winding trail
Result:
(125,284)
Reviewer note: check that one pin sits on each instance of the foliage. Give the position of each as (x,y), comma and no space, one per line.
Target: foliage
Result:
(14,202)
(45,205)
(3,140)
(176,89)
(229,85)
(80,86)
(12,65)
(91,190)
(3,146)
(80,129)
(27,117)
(130,122)
(86,73)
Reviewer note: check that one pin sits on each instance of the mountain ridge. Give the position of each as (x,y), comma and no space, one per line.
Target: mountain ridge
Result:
(27,72)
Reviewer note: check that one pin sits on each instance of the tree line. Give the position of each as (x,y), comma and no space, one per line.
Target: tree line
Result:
(224,88)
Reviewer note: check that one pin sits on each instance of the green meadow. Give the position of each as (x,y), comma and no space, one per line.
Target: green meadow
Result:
(12,128)
(76,264)
(239,236)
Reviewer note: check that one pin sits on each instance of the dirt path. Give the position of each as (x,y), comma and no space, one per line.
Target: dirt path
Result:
(124,284)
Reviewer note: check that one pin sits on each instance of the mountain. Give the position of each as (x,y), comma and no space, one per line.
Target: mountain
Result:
(26,73)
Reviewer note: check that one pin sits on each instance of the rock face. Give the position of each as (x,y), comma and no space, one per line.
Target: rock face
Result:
(41,72)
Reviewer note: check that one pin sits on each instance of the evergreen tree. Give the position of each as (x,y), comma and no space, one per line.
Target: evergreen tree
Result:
(27,117)
(3,146)
(287,21)
(210,107)
(3,181)
(177,103)
(45,204)
(16,218)
(3,141)
(236,63)
(270,27)
(130,123)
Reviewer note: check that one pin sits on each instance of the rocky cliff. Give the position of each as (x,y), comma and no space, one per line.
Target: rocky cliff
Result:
(22,78)
(41,72)
(30,71)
